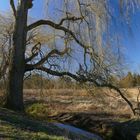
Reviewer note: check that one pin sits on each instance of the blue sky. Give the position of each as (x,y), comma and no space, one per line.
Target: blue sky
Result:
(131,42)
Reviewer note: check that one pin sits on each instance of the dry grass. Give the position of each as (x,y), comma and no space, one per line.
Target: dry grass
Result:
(68,100)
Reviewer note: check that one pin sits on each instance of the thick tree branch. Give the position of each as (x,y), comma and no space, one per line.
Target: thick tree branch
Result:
(52,72)
(31,57)
(35,50)
(58,27)
(13,7)
(51,53)
(57,73)
(69,19)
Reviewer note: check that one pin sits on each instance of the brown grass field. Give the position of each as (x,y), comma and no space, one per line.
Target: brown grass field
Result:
(74,101)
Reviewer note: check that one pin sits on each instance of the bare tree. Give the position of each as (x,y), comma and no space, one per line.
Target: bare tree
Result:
(79,24)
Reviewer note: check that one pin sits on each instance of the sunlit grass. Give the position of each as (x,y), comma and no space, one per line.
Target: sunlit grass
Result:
(9,131)
(37,110)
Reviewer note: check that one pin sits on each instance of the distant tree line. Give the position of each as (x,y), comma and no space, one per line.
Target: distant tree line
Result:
(37,81)
(130,80)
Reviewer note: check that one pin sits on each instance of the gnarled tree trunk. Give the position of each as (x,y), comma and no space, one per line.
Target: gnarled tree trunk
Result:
(17,63)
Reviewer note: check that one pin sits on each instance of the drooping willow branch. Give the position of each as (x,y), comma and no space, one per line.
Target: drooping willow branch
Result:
(58,26)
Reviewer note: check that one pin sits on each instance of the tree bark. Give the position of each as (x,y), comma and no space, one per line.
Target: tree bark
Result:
(14,99)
